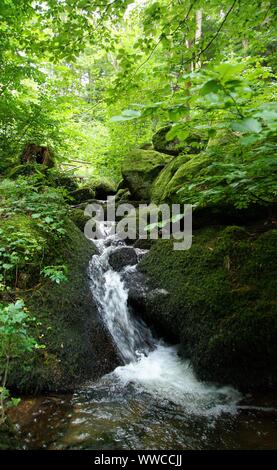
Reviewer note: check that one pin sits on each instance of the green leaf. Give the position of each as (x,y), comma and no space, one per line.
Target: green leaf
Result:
(131,113)
(211,86)
(247,125)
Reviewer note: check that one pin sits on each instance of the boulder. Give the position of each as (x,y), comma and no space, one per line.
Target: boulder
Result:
(221,303)
(170,180)
(84,194)
(77,345)
(121,257)
(139,170)
(122,195)
(59,179)
(103,188)
(79,218)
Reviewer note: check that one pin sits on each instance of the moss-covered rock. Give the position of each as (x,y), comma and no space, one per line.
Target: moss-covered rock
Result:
(221,303)
(84,194)
(194,143)
(122,195)
(77,345)
(103,187)
(169,180)
(139,170)
(79,218)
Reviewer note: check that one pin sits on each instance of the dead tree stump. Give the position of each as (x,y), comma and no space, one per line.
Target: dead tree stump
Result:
(37,154)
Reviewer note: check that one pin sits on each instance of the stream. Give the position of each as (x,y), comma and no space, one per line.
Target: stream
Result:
(152,401)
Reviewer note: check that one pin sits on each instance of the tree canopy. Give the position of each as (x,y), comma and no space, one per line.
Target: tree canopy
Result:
(93,79)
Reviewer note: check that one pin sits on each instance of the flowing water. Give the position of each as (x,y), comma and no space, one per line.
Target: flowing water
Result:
(152,401)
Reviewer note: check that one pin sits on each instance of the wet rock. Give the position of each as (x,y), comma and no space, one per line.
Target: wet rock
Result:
(220,304)
(121,257)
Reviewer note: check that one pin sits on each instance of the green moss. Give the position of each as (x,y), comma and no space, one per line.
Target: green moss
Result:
(221,304)
(23,247)
(77,346)
(79,218)
(139,170)
(103,187)
(176,175)
(160,189)
(84,194)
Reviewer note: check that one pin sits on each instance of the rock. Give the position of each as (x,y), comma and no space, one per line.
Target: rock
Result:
(122,195)
(84,194)
(143,244)
(103,188)
(181,172)
(121,257)
(78,346)
(147,146)
(79,218)
(171,179)
(194,143)
(221,303)
(139,170)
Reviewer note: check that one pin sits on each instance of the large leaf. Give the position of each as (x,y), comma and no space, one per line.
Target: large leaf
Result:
(247,125)
(127,115)
(211,86)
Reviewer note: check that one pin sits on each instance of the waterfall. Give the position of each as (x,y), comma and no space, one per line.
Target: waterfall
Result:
(150,364)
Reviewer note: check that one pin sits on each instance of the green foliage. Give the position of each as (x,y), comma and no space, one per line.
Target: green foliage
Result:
(30,213)
(15,342)
(55,273)
(32,196)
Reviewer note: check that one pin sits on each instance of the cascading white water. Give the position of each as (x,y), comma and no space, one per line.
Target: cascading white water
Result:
(130,336)
(151,365)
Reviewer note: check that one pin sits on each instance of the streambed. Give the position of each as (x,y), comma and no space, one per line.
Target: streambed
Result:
(152,401)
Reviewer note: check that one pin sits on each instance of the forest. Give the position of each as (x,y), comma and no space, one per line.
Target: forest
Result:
(148,102)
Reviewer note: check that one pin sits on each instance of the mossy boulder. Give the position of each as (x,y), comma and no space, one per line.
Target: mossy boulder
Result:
(170,180)
(80,195)
(221,303)
(77,344)
(139,170)
(194,143)
(122,195)
(103,188)
(79,218)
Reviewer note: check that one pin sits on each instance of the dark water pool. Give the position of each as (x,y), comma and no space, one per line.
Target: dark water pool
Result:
(102,416)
